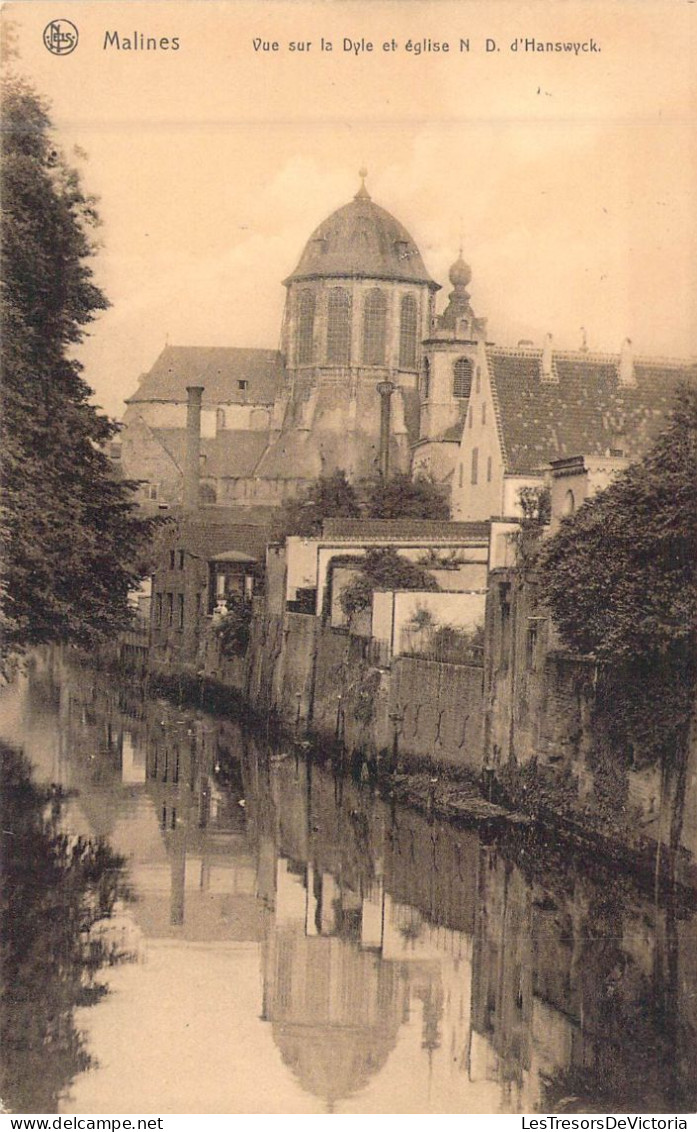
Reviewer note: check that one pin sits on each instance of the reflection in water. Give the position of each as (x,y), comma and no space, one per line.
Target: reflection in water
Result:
(58,896)
(404,965)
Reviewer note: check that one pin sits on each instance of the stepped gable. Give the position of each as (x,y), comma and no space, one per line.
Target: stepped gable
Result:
(364,241)
(219,369)
(584,410)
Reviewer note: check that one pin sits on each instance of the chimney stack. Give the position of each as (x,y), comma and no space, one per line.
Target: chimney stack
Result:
(626,369)
(193,447)
(548,373)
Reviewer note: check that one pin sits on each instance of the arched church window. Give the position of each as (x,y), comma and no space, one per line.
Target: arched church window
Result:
(339,326)
(306,328)
(426,380)
(462,378)
(374,328)
(407,332)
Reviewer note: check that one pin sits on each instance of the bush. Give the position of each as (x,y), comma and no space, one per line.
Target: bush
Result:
(233,629)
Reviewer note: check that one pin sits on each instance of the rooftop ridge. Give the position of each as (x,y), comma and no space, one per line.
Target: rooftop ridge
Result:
(596,356)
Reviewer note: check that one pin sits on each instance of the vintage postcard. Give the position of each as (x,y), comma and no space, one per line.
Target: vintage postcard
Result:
(348,709)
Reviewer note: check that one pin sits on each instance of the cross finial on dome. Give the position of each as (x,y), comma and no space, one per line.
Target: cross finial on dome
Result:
(362,193)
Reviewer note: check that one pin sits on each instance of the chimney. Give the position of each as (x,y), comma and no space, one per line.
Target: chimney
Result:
(548,373)
(626,368)
(193,447)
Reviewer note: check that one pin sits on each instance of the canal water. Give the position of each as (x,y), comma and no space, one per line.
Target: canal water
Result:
(298,944)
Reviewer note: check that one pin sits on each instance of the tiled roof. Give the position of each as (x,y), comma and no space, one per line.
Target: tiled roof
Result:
(439,530)
(361,240)
(208,537)
(585,411)
(219,369)
(233,453)
(295,454)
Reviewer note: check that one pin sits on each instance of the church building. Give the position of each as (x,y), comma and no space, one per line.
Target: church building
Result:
(370,379)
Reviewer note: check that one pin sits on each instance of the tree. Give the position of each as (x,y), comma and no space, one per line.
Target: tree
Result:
(621,573)
(536,504)
(329,497)
(69,527)
(401,497)
(620,578)
(383,569)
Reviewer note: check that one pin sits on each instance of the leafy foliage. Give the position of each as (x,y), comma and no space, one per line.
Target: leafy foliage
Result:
(536,504)
(329,497)
(333,497)
(69,528)
(53,890)
(401,497)
(383,569)
(620,577)
(234,627)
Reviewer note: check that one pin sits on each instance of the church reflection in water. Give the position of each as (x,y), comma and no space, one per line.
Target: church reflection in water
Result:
(387,939)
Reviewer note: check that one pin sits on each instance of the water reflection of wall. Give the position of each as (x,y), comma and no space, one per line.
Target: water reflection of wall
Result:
(499,976)
(566,975)
(211,890)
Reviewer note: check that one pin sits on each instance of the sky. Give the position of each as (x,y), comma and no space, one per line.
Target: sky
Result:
(570,180)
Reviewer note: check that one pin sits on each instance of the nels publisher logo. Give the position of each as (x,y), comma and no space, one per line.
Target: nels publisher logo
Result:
(60,37)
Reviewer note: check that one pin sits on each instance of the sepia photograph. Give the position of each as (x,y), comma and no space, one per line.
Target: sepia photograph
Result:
(348,605)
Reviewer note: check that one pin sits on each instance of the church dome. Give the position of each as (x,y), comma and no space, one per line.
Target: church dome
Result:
(361,240)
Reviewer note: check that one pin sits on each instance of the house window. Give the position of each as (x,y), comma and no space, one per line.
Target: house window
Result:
(478,376)
(339,326)
(306,328)
(475,464)
(242,384)
(181,559)
(407,332)
(469,417)
(426,380)
(569,503)
(461,474)
(374,328)
(170,609)
(180,610)
(488,469)
(151,491)
(158,609)
(171,559)
(483,412)
(462,378)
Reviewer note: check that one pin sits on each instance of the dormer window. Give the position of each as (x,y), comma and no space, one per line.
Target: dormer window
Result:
(243,384)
